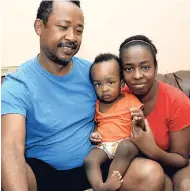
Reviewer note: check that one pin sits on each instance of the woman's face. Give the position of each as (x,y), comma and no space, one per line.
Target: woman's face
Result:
(138,69)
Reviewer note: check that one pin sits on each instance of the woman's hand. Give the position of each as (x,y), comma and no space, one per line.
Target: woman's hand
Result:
(138,116)
(144,140)
(95,137)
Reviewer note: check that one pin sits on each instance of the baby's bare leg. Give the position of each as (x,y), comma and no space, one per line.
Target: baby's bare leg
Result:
(125,153)
(92,167)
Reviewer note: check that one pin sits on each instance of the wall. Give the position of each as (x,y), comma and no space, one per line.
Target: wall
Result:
(107,24)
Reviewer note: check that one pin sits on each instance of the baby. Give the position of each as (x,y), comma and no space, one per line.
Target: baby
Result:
(113,123)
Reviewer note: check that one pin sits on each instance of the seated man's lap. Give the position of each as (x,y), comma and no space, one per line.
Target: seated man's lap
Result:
(50,179)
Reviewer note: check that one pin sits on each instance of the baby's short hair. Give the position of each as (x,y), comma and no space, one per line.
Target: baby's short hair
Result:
(107,57)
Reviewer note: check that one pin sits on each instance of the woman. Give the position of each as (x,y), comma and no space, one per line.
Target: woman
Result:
(167,110)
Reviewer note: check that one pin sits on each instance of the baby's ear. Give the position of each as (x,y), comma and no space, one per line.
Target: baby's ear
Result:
(122,84)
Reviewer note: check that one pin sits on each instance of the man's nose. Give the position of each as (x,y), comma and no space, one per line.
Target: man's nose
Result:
(71,35)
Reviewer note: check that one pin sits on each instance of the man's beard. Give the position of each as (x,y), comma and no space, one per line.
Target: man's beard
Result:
(52,56)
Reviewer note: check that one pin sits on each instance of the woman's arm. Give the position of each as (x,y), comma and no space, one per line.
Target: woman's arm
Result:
(179,141)
(178,152)
(179,133)
(178,126)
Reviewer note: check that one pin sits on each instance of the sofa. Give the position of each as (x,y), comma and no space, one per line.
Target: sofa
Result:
(179,79)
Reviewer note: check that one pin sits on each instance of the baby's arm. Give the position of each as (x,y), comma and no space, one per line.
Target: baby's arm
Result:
(95,137)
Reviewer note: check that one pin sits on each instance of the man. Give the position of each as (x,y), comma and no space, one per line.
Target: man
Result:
(48,109)
(50,101)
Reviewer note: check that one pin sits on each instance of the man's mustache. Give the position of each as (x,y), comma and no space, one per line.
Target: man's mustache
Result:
(68,45)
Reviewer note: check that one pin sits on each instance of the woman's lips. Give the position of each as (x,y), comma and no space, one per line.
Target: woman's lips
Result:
(138,86)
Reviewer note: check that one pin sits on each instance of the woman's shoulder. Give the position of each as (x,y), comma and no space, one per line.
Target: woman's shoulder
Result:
(176,105)
(125,89)
(172,94)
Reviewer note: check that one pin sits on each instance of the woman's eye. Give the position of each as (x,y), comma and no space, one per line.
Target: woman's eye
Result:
(128,69)
(145,67)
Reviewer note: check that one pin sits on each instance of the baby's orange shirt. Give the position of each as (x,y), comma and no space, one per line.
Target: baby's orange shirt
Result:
(115,123)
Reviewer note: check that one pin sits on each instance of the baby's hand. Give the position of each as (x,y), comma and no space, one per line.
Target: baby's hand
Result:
(96,137)
(138,116)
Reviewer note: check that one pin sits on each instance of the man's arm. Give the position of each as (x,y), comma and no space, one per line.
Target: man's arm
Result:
(14,172)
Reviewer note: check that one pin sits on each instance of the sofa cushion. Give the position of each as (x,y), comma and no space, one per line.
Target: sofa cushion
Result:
(179,79)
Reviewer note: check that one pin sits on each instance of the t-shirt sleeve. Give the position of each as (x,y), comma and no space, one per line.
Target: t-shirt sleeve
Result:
(180,113)
(14,97)
(134,101)
(95,117)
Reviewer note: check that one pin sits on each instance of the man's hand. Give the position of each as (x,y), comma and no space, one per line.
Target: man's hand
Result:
(138,117)
(96,137)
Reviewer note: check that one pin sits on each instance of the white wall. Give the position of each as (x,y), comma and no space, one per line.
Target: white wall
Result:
(107,24)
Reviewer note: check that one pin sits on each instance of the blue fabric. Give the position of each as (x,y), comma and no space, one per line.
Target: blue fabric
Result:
(59,111)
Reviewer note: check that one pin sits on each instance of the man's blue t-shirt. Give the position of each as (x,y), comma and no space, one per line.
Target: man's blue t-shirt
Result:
(59,111)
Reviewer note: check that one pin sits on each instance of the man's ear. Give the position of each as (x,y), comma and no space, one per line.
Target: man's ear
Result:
(38,26)
(122,84)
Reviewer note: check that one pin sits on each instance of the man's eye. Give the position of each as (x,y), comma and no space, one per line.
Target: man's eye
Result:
(79,31)
(62,27)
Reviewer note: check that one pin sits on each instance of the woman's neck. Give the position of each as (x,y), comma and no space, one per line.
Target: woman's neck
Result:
(152,93)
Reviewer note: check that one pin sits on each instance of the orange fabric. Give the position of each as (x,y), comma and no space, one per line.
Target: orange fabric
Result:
(115,123)
(171,113)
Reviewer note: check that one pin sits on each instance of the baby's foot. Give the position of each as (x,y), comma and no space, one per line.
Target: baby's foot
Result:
(114,182)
